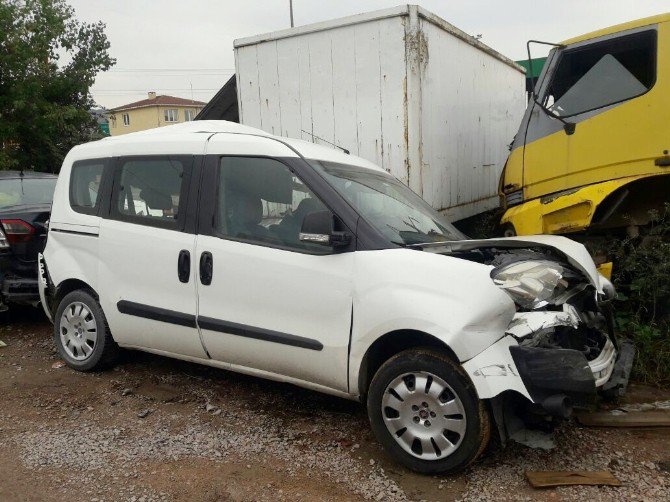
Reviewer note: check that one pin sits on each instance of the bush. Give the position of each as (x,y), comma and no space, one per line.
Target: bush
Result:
(642,278)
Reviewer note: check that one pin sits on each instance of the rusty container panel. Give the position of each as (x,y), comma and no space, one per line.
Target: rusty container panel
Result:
(399,87)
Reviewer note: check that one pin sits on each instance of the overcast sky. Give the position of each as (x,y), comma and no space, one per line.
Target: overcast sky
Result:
(171,46)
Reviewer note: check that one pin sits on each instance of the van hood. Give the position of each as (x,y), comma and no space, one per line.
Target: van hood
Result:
(574,252)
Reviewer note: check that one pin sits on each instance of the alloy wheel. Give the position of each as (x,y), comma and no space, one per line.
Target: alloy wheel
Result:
(424,415)
(78,331)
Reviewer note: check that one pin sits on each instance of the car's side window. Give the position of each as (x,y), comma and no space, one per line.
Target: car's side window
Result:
(150,190)
(85,179)
(261,201)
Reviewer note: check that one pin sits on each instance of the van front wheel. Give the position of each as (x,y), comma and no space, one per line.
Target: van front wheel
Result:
(426,413)
(81,333)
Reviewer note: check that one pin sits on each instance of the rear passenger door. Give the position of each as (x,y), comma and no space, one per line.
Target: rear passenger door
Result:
(269,303)
(146,250)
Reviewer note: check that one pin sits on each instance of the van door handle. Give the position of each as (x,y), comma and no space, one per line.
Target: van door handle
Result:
(206,268)
(184,265)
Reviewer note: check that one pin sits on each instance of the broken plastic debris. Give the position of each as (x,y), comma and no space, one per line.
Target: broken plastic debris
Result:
(2,344)
(210,408)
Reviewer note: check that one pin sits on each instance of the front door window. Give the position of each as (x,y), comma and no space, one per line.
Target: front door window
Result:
(261,201)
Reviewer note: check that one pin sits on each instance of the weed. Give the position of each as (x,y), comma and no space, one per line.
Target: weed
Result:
(642,278)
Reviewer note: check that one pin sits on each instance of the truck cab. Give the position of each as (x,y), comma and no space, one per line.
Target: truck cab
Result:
(592,153)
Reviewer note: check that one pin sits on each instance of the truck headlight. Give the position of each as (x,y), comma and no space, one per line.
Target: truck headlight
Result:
(531,284)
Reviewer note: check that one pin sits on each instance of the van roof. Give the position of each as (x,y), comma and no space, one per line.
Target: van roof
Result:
(304,148)
(638,23)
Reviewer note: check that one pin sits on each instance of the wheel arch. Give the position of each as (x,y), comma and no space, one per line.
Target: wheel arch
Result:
(68,286)
(632,202)
(390,344)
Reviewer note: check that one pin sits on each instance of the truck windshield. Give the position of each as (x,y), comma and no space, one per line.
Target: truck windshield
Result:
(25,191)
(388,205)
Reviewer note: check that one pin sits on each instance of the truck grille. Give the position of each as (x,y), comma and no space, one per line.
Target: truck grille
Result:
(514,198)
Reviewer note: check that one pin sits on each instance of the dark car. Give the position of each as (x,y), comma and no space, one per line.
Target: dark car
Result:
(25,205)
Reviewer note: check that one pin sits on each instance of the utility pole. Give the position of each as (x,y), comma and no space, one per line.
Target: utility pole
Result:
(290,6)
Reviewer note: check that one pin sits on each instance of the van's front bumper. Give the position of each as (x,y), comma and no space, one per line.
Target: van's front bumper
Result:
(545,376)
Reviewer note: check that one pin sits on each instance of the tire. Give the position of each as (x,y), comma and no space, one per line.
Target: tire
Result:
(508,230)
(453,429)
(81,333)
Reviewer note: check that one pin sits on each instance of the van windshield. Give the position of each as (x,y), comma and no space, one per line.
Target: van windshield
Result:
(26,191)
(388,205)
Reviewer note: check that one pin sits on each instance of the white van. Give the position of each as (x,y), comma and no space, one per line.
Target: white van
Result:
(220,244)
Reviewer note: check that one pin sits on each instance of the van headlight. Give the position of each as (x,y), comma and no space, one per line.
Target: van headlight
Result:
(531,284)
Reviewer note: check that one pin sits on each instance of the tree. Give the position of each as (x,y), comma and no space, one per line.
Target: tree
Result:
(48,62)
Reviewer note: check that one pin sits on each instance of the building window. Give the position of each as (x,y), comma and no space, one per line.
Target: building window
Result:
(171,115)
(189,115)
(126,119)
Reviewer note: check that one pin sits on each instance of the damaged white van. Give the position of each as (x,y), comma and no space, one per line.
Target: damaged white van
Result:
(222,245)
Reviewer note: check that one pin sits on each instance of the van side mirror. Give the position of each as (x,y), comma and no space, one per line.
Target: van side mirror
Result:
(319,227)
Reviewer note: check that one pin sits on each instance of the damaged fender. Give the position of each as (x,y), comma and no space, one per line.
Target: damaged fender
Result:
(493,371)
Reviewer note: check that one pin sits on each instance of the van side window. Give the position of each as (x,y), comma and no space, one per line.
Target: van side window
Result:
(85,179)
(149,190)
(262,201)
(602,74)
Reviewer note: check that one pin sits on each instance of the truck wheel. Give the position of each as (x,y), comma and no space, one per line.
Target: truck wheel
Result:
(508,230)
(426,413)
(81,333)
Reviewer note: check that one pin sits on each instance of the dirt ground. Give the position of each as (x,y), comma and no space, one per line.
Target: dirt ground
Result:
(159,429)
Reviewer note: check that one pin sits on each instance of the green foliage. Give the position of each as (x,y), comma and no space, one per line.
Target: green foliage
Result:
(48,62)
(642,278)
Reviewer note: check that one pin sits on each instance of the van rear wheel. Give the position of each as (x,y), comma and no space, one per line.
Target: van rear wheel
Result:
(81,333)
(426,413)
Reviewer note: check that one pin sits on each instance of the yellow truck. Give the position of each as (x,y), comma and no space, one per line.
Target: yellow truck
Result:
(591,156)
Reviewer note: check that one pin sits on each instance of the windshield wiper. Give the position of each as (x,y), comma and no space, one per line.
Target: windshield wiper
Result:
(430,243)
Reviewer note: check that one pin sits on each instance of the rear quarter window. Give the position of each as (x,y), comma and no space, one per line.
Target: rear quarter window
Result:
(85,181)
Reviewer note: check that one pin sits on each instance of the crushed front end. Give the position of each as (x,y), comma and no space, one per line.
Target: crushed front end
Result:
(560,350)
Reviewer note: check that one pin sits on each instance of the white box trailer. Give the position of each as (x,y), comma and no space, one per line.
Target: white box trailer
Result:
(400,87)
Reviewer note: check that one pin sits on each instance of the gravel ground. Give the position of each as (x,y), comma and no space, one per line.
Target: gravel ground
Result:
(158,429)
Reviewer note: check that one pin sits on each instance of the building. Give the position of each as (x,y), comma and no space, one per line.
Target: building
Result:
(155,111)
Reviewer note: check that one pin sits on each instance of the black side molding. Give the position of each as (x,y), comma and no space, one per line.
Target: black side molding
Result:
(266,335)
(74,232)
(156,314)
